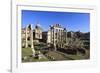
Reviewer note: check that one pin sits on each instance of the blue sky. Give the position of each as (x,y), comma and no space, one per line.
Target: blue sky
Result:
(70,20)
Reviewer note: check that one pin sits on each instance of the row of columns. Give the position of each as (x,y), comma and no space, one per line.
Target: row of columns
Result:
(58,36)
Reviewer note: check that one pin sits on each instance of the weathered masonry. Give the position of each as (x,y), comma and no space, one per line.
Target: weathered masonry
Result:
(57,36)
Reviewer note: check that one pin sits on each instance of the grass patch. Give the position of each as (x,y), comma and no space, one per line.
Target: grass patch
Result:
(26,52)
(57,56)
(73,57)
(76,57)
(30,59)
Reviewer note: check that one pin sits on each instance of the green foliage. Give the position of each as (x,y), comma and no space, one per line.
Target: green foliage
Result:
(74,42)
(40,45)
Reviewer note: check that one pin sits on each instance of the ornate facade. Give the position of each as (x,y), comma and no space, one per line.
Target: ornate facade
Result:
(38,32)
(27,37)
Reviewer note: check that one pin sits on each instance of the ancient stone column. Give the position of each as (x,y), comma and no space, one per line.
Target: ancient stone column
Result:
(51,34)
(54,39)
(26,37)
(32,44)
(31,36)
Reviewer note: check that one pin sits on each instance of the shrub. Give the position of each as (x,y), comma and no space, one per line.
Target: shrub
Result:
(81,50)
(68,51)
